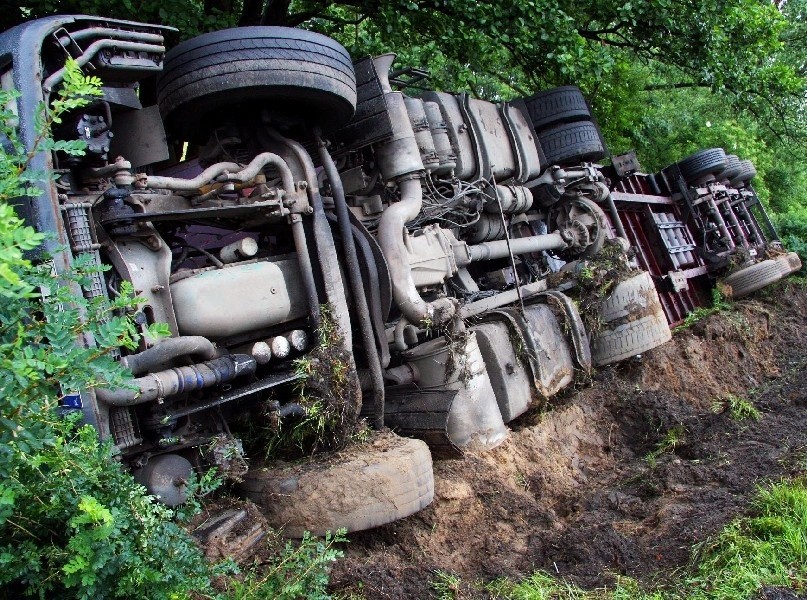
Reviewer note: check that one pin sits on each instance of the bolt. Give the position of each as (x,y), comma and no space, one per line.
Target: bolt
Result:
(303,185)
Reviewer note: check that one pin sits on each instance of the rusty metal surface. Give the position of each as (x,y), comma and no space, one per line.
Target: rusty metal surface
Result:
(663,239)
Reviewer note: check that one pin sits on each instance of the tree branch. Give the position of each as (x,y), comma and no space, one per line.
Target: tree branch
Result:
(673,86)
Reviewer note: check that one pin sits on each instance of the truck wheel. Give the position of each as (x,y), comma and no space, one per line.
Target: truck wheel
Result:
(747,173)
(294,72)
(632,320)
(788,263)
(572,143)
(629,339)
(629,296)
(559,105)
(702,166)
(360,488)
(733,168)
(753,278)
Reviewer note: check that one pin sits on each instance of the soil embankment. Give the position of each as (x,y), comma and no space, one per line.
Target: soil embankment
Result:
(620,477)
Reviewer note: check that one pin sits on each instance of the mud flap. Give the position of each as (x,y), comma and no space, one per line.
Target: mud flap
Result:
(422,414)
(547,352)
(576,329)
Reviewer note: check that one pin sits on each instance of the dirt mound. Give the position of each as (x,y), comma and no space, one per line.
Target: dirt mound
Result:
(621,477)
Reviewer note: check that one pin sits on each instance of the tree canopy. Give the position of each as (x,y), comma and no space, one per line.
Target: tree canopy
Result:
(663,76)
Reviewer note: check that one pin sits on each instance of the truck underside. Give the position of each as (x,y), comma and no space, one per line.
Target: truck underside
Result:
(436,264)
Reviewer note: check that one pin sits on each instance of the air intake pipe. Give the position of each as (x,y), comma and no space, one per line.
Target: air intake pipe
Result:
(399,160)
(172,382)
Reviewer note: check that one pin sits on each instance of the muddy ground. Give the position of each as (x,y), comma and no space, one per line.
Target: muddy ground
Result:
(621,476)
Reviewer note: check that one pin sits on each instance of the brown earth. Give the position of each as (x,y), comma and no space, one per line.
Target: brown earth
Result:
(574,492)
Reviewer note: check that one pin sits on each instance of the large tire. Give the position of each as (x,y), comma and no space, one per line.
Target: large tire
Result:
(630,339)
(746,174)
(559,105)
(733,168)
(293,72)
(788,263)
(628,296)
(702,166)
(363,487)
(572,143)
(753,278)
(633,321)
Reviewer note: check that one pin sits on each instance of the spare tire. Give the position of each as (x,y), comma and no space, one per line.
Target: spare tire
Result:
(559,105)
(359,488)
(752,278)
(295,73)
(702,166)
(746,174)
(572,143)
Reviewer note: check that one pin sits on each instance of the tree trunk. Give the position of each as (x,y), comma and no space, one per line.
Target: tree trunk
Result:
(276,12)
(251,13)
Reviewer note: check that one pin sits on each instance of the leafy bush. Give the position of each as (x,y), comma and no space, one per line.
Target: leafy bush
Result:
(792,229)
(299,571)
(72,522)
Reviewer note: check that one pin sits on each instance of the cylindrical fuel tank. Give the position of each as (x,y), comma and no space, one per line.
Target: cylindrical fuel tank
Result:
(239,298)
(474,418)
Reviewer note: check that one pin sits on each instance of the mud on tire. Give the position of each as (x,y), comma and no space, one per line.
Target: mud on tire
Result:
(752,278)
(293,72)
(359,488)
(788,263)
(633,321)
(630,339)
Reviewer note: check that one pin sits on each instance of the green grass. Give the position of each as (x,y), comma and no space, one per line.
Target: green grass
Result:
(673,438)
(738,408)
(446,585)
(766,548)
(719,304)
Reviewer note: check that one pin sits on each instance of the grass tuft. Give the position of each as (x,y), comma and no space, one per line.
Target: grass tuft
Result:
(446,585)
(738,408)
(719,304)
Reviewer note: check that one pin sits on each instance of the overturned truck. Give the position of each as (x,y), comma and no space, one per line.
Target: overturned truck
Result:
(435,264)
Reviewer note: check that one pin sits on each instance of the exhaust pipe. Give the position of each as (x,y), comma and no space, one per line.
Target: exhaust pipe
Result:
(399,160)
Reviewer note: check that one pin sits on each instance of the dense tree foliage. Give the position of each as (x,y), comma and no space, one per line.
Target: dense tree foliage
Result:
(665,77)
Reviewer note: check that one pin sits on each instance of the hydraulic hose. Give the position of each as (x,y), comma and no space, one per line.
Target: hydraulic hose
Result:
(362,311)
